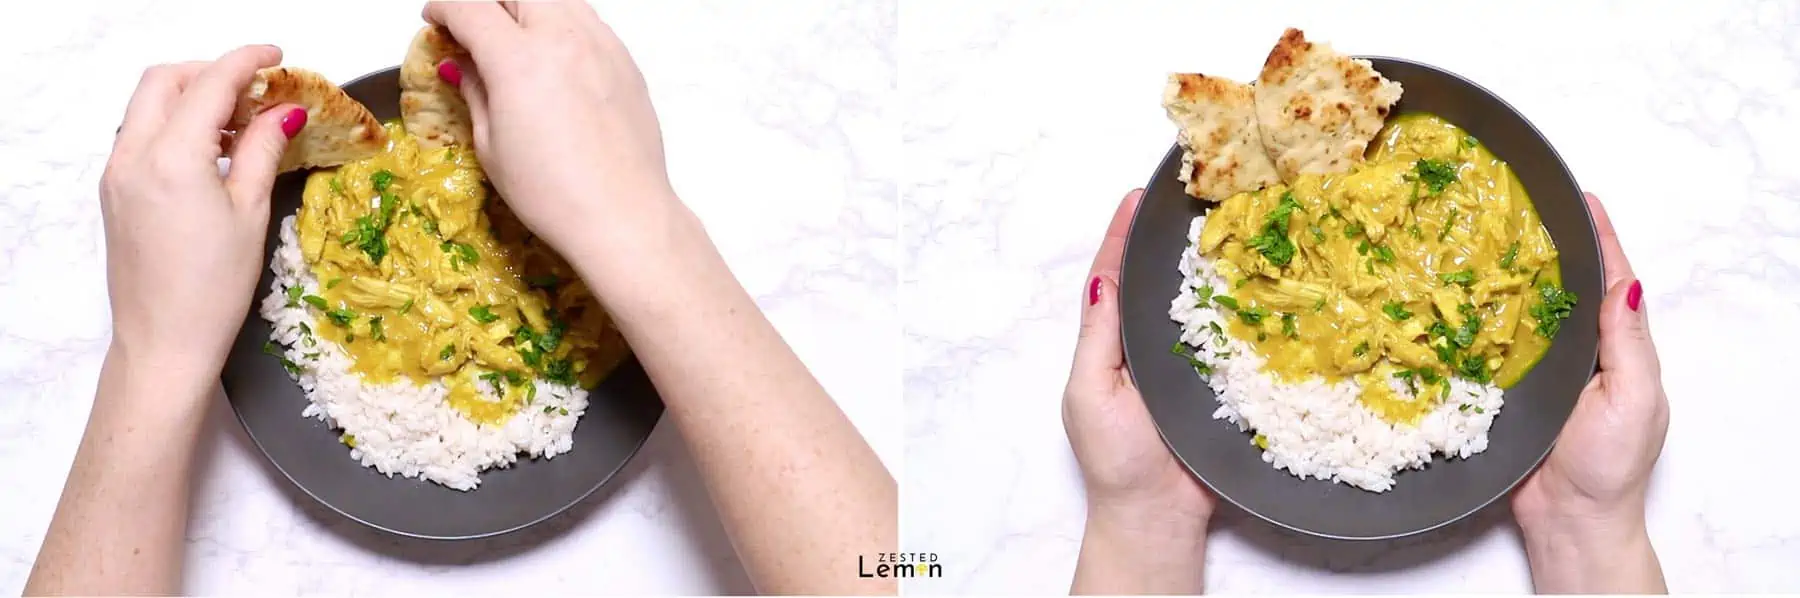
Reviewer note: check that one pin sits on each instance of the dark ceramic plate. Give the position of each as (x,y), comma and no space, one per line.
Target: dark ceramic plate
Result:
(621,412)
(1421,500)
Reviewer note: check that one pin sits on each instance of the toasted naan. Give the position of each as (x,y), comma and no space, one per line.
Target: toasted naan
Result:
(431,109)
(1222,148)
(338,128)
(1319,109)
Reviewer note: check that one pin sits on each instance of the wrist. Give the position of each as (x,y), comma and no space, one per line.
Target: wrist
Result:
(1593,551)
(1158,522)
(185,378)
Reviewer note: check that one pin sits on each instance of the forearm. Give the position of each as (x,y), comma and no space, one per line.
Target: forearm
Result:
(1140,550)
(799,491)
(123,514)
(1592,557)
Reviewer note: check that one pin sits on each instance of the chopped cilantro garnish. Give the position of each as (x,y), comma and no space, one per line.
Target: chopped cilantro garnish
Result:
(494,379)
(1469,141)
(1555,305)
(1511,256)
(286,364)
(1203,295)
(460,253)
(406,307)
(1465,277)
(1290,325)
(513,378)
(431,226)
(1361,349)
(1397,311)
(293,296)
(560,371)
(305,330)
(335,281)
(1383,254)
(1449,222)
(1241,282)
(337,187)
(483,314)
(1252,316)
(1352,230)
(375,330)
(1226,301)
(1273,242)
(1362,247)
(315,301)
(1474,368)
(381,179)
(1181,350)
(342,317)
(1436,174)
(549,408)
(447,352)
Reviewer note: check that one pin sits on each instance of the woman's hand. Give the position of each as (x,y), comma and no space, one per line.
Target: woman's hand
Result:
(1582,512)
(1146,514)
(184,245)
(562,119)
(184,249)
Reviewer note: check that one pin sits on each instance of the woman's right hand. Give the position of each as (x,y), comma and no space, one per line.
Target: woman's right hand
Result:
(562,119)
(1582,512)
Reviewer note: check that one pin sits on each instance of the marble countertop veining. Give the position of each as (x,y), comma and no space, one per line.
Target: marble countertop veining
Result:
(1027,120)
(793,93)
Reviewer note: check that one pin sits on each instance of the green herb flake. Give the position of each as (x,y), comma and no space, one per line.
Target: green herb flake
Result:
(1226,301)
(293,296)
(382,179)
(1352,230)
(1203,295)
(560,371)
(1273,242)
(1383,254)
(1465,277)
(1555,305)
(447,352)
(493,378)
(341,317)
(1362,247)
(337,187)
(1397,311)
(562,411)
(316,301)
(549,408)
(1361,349)
(1252,316)
(1290,325)
(286,364)
(1449,224)
(1470,142)
(375,330)
(1511,256)
(483,314)
(405,307)
(1436,174)
(334,282)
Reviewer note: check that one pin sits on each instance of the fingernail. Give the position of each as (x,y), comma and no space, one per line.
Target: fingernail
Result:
(450,73)
(293,122)
(1635,296)
(1094,291)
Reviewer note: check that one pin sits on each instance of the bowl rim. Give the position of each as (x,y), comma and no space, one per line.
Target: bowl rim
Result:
(1125,340)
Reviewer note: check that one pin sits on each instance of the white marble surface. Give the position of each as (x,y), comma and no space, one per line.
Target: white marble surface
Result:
(1027,120)
(779,135)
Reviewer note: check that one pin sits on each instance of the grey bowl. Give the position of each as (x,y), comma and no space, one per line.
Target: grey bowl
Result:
(622,410)
(1446,491)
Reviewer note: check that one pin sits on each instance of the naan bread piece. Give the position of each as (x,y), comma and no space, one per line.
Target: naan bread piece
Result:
(431,109)
(338,128)
(1319,109)
(1222,148)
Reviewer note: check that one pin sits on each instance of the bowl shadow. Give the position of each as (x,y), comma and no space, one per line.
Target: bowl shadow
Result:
(663,455)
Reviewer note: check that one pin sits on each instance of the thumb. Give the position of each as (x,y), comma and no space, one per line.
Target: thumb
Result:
(462,74)
(1625,346)
(1098,351)
(257,150)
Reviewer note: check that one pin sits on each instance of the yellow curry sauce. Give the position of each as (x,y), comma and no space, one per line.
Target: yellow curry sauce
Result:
(422,277)
(1423,262)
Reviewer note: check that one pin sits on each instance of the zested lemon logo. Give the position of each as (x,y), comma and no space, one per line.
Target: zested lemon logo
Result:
(899,565)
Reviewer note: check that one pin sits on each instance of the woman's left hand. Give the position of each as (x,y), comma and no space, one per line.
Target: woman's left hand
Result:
(184,244)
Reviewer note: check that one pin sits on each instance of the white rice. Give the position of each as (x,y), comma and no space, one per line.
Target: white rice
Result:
(1314,429)
(402,428)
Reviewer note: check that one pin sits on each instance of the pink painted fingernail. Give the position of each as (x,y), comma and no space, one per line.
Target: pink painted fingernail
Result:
(1094,291)
(293,122)
(450,73)
(1635,296)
